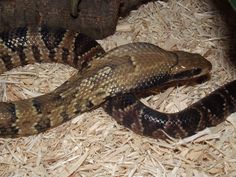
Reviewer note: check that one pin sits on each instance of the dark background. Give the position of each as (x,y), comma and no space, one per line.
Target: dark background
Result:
(229,16)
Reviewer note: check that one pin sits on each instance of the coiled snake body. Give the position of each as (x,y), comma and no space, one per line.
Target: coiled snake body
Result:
(113,77)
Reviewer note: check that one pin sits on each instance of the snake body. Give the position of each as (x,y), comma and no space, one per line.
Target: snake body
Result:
(111,77)
(207,112)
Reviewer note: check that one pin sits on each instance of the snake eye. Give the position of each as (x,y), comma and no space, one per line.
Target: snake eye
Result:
(196,71)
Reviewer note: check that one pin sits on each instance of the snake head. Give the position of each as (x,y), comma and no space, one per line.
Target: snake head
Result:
(189,65)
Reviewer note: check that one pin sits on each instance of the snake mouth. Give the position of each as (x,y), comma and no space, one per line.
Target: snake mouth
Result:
(188,74)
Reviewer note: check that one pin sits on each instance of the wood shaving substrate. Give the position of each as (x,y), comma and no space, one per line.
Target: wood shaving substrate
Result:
(93,144)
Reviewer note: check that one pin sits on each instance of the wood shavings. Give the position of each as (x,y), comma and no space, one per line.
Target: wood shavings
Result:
(93,144)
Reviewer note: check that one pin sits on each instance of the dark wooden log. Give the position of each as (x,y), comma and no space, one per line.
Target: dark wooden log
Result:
(96,18)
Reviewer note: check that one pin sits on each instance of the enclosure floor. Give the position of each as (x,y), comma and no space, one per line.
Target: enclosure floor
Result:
(93,144)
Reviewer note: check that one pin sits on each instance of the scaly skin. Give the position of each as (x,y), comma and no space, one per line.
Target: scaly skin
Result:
(125,69)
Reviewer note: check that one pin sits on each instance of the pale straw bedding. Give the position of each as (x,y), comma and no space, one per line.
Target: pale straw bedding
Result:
(93,144)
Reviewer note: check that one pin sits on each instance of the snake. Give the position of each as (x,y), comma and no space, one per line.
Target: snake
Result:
(110,79)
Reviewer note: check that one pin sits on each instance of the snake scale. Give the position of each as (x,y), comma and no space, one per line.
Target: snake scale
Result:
(112,78)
